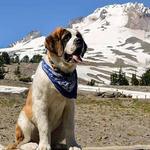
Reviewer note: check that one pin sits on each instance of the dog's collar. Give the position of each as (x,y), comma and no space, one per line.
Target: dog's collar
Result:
(66,84)
(58,70)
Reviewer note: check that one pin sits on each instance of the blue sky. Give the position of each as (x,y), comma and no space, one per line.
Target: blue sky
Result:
(19,17)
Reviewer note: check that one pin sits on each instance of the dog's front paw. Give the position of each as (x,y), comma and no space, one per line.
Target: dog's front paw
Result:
(44,147)
(75,148)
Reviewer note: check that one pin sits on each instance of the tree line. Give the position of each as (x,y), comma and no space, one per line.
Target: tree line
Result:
(121,79)
(5,59)
(117,78)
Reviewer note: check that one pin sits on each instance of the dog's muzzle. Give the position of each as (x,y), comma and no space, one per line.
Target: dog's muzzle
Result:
(76,56)
(72,58)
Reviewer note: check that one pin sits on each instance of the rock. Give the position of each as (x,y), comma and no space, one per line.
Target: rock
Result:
(99,93)
(33,146)
(29,146)
(1,147)
(112,94)
(108,94)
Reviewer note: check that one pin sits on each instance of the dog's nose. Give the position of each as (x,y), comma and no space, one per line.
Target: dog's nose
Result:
(78,41)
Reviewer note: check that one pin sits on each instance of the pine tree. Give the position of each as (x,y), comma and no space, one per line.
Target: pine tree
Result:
(134,80)
(25,59)
(145,79)
(16,60)
(2,72)
(17,71)
(1,60)
(36,58)
(122,80)
(6,58)
(118,79)
(113,79)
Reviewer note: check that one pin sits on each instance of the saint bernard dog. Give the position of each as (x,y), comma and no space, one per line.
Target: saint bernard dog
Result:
(48,114)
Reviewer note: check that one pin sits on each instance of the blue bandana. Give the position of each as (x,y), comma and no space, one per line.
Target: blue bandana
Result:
(66,84)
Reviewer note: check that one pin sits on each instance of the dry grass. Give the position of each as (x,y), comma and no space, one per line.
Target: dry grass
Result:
(119,103)
(99,122)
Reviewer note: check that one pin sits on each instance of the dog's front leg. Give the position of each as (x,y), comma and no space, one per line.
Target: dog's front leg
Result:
(41,116)
(68,119)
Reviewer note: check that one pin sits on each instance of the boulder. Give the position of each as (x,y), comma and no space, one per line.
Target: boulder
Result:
(33,146)
(112,94)
(29,146)
(1,147)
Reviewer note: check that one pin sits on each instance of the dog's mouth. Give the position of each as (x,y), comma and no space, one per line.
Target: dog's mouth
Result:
(74,58)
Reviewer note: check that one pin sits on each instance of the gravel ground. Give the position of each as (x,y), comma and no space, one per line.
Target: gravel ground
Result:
(112,122)
(99,122)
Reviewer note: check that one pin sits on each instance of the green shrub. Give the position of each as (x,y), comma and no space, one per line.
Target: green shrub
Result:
(91,83)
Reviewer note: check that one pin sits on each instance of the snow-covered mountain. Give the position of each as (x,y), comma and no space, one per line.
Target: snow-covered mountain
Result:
(32,44)
(116,35)
(30,36)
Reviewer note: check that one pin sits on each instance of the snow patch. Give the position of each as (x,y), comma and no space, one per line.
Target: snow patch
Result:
(134,94)
(12,89)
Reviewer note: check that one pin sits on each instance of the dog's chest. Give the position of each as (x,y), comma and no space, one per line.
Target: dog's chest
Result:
(45,94)
(56,105)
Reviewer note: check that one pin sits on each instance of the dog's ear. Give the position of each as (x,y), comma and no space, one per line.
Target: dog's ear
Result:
(53,42)
(84,49)
(49,43)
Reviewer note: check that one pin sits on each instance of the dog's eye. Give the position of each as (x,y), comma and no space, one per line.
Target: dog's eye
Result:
(78,35)
(66,38)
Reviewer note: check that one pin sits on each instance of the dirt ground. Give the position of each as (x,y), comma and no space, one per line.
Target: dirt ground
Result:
(99,122)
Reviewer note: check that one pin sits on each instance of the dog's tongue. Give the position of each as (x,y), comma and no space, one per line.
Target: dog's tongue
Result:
(77,58)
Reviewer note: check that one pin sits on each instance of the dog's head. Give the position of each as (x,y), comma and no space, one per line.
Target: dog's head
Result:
(65,47)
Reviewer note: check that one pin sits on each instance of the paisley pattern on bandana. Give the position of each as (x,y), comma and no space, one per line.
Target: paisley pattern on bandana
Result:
(66,84)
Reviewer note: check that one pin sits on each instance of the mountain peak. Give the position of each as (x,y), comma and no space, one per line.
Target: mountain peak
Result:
(30,36)
(130,15)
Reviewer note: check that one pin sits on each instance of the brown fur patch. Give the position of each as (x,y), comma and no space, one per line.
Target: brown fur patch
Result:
(54,41)
(28,106)
(19,138)
(19,134)
(12,146)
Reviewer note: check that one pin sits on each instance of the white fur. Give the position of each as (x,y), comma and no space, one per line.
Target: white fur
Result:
(26,127)
(70,46)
